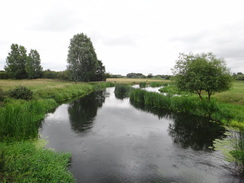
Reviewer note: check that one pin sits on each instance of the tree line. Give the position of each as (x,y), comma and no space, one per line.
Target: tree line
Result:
(19,65)
(83,64)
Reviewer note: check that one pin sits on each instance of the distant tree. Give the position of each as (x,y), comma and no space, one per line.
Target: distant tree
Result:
(201,72)
(135,75)
(82,59)
(33,65)
(16,62)
(48,74)
(149,75)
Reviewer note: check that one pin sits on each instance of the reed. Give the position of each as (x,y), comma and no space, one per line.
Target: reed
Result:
(226,113)
(20,120)
(158,84)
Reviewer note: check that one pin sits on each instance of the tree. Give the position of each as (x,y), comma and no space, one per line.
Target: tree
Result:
(82,59)
(202,72)
(100,72)
(33,67)
(16,62)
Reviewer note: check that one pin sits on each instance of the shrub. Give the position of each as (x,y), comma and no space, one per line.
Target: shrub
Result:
(21,92)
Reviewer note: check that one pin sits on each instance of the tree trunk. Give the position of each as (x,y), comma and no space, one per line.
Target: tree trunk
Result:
(199,94)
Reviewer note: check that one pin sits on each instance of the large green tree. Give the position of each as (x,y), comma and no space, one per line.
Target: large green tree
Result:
(82,59)
(16,62)
(202,73)
(33,65)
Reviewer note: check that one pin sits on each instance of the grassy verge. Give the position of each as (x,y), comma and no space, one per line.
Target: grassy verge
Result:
(23,161)
(20,159)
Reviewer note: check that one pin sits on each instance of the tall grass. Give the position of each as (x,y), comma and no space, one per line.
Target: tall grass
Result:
(24,162)
(20,120)
(158,84)
(191,104)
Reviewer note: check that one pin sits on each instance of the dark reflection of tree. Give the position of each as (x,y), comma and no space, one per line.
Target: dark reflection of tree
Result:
(83,110)
(195,132)
(188,130)
(122,91)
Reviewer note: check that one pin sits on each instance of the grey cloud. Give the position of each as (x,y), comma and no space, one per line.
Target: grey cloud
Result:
(122,40)
(56,20)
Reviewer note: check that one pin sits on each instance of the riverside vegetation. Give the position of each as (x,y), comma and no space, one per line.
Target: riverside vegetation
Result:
(225,108)
(22,156)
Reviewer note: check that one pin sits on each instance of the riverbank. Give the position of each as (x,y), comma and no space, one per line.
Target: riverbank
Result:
(22,158)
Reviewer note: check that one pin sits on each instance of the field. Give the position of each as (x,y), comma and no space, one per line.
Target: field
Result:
(34,84)
(234,96)
(135,80)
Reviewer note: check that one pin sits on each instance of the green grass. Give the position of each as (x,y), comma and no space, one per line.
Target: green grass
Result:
(25,162)
(19,120)
(20,160)
(233,96)
(229,114)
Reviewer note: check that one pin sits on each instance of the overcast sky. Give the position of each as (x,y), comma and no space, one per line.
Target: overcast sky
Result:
(143,36)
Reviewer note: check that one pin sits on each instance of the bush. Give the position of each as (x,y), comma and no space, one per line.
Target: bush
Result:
(21,92)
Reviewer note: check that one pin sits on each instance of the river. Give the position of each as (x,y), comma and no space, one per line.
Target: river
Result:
(113,141)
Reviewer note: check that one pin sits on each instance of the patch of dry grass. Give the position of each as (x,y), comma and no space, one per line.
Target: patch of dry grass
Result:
(33,84)
(135,80)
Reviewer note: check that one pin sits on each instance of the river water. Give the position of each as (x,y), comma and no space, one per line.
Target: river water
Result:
(113,141)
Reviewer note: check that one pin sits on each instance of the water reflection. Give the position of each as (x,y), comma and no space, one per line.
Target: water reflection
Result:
(188,130)
(83,111)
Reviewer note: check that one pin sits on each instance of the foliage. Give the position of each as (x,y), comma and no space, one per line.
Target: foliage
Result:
(82,60)
(190,104)
(33,67)
(20,66)
(24,162)
(100,72)
(3,75)
(21,92)
(135,75)
(143,84)
(201,72)
(16,62)
(232,148)
(239,76)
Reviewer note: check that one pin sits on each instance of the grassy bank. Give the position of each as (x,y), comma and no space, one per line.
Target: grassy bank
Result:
(19,123)
(229,114)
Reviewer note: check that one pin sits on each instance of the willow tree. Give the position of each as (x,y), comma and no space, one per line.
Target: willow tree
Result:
(82,59)
(201,73)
